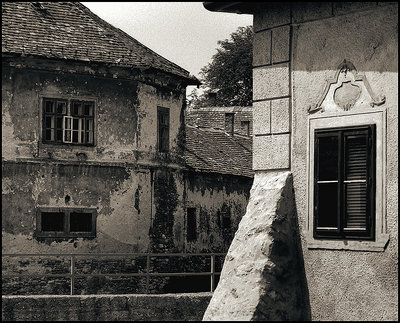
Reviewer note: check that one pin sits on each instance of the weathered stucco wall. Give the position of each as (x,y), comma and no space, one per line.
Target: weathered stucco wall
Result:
(343,284)
(125,115)
(178,307)
(140,196)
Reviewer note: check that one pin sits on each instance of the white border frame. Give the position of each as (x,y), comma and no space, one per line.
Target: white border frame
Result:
(336,120)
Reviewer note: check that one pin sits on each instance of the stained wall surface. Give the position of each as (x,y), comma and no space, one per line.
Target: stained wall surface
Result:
(308,43)
(140,196)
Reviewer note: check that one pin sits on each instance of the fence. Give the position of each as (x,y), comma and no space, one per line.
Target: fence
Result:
(147,274)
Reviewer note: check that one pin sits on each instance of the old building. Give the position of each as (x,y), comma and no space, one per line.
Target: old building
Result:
(94,156)
(232,120)
(325,112)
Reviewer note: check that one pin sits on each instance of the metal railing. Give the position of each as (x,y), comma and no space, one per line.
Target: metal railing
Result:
(73,274)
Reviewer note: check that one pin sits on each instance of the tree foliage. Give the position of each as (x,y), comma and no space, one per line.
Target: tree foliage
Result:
(229,73)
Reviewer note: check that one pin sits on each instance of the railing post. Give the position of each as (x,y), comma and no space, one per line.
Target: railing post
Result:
(212,272)
(72,275)
(147,273)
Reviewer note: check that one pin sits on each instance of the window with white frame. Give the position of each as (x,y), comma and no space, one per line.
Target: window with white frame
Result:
(68,121)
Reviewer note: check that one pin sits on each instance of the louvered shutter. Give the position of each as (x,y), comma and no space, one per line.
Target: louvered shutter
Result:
(344,183)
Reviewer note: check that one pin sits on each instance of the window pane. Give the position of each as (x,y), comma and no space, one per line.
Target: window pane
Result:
(75,124)
(59,122)
(328,158)
(67,136)
(74,136)
(327,205)
(356,205)
(61,108)
(49,134)
(52,221)
(80,222)
(49,106)
(59,134)
(191,224)
(356,157)
(49,121)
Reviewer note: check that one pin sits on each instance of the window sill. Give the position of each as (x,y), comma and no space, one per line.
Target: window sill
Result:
(356,245)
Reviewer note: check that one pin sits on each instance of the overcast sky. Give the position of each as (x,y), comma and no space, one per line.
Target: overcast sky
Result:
(183,32)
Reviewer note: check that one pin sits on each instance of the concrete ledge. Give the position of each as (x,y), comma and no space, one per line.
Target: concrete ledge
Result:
(166,307)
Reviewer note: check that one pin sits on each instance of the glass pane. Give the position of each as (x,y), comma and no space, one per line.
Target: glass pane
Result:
(75,108)
(75,124)
(49,106)
(61,108)
(49,134)
(327,158)
(49,121)
(327,205)
(75,136)
(89,124)
(59,134)
(88,110)
(356,157)
(59,122)
(356,205)
(67,137)
(52,221)
(80,222)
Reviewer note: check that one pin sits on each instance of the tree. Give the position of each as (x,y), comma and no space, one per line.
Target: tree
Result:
(229,73)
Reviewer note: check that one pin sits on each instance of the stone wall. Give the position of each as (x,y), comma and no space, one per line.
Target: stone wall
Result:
(178,307)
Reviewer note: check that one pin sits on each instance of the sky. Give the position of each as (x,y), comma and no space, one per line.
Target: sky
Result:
(183,32)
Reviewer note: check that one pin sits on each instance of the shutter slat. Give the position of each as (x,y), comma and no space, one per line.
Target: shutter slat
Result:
(356,153)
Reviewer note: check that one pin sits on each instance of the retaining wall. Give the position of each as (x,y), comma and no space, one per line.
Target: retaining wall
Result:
(167,307)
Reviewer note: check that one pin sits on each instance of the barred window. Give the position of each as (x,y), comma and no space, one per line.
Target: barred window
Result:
(344,181)
(68,121)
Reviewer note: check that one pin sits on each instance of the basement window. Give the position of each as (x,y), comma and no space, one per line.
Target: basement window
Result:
(191,224)
(344,183)
(65,223)
(68,122)
(163,129)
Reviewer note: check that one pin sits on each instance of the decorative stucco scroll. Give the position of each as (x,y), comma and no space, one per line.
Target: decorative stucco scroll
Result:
(346,91)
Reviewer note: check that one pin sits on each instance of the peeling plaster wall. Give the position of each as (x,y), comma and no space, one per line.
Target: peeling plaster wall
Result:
(215,196)
(140,196)
(342,284)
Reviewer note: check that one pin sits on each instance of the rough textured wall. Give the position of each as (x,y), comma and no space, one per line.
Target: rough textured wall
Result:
(220,202)
(262,277)
(178,307)
(343,284)
(125,116)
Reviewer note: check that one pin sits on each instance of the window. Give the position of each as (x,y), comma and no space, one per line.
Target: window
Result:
(65,223)
(191,224)
(68,122)
(344,183)
(245,127)
(229,122)
(163,129)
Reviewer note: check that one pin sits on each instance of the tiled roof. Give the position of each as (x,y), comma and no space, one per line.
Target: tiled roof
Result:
(212,150)
(69,30)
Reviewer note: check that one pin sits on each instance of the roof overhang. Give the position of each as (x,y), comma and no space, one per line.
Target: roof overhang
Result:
(239,7)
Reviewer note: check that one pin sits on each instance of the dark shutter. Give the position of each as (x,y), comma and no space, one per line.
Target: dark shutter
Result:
(163,129)
(344,183)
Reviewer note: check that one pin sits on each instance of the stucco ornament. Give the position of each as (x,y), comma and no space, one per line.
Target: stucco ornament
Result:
(347,90)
